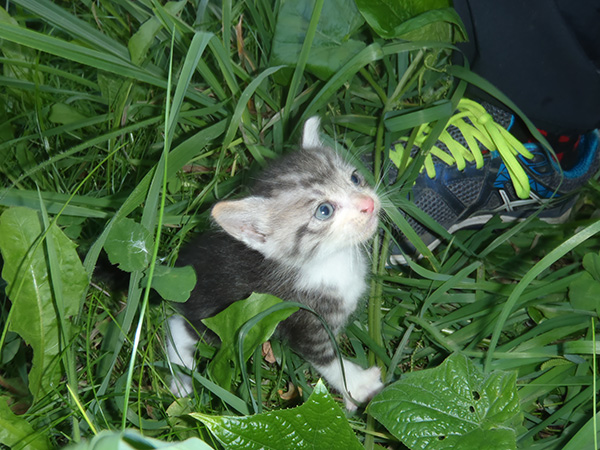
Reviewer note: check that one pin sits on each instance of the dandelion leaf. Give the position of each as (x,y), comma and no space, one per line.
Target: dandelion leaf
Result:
(34,300)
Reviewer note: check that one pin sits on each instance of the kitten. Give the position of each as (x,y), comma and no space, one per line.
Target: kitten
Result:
(300,236)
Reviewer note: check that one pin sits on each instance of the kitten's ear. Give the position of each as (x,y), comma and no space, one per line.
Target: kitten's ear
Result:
(310,134)
(245,219)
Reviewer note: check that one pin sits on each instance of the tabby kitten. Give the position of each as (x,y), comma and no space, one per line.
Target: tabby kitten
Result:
(300,236)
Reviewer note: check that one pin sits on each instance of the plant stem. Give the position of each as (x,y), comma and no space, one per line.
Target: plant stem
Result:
(161,169)
(380,247)
(374,309)
(594,375)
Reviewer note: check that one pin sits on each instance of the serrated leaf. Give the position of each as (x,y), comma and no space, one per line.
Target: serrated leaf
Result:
(129,245)
(227,325)
(554,362)
(497,439)
(453,406)
(331,47)
(174,283)
(34,315)
(17,433)
(317,424)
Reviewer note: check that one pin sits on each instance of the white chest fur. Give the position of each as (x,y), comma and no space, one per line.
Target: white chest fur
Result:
(343,273)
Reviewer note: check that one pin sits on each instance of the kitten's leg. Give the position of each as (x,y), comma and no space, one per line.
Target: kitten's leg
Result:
(306,334)
(181,346)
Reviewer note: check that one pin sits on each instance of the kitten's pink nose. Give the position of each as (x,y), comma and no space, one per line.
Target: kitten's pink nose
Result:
(366,205)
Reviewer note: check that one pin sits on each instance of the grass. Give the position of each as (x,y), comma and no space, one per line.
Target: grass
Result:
(154,111)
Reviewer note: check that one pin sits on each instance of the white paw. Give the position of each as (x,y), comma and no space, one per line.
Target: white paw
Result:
(360,384)
(362,387)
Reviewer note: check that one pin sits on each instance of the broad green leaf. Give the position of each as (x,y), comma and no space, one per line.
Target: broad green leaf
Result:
(10,348)
(430,20)
(129,245)
(65,114)
(584,292)
(496,439)
(174,283)
(177,414)
(437,26)
(388,14)
(132,440)
(453,406)
(17,433)
(332,45)
(317,424)
(227,324)
(142,40)
(5,17)
(591,263)
(34,315)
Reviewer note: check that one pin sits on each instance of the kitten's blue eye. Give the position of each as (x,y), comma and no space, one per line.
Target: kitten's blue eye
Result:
(324,211)
(356,178)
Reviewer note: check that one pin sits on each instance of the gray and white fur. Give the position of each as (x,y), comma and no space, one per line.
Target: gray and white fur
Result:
(300,236)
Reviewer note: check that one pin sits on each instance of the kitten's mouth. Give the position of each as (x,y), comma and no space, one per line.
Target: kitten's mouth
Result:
(371,224)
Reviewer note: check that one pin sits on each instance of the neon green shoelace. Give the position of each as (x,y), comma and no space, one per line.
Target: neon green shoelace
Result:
(481,128)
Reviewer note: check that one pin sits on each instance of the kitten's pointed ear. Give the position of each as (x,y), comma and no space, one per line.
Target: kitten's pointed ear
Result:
(245,220)
(310,134)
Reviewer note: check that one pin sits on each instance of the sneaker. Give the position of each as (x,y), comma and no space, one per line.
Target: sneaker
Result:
(478,169)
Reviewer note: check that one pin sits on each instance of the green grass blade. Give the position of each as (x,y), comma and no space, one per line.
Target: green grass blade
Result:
(242,105)
(80,30)
(542,265)
(302,59)
(195,52)
(74,52)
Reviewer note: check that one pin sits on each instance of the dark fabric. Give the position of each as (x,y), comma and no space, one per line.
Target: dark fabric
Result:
(543,54)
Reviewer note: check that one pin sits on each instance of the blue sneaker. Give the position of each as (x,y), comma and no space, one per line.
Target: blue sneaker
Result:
(478,170)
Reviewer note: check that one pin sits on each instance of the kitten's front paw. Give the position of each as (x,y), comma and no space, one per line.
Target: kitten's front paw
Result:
(362,387)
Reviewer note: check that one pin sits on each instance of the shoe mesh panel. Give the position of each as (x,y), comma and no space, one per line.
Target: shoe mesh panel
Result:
(493,202)
(435,206)
(501,117)
(510,190)
(419,229)
(466,190)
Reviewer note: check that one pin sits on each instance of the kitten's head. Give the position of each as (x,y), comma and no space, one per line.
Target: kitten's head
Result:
(308,204)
